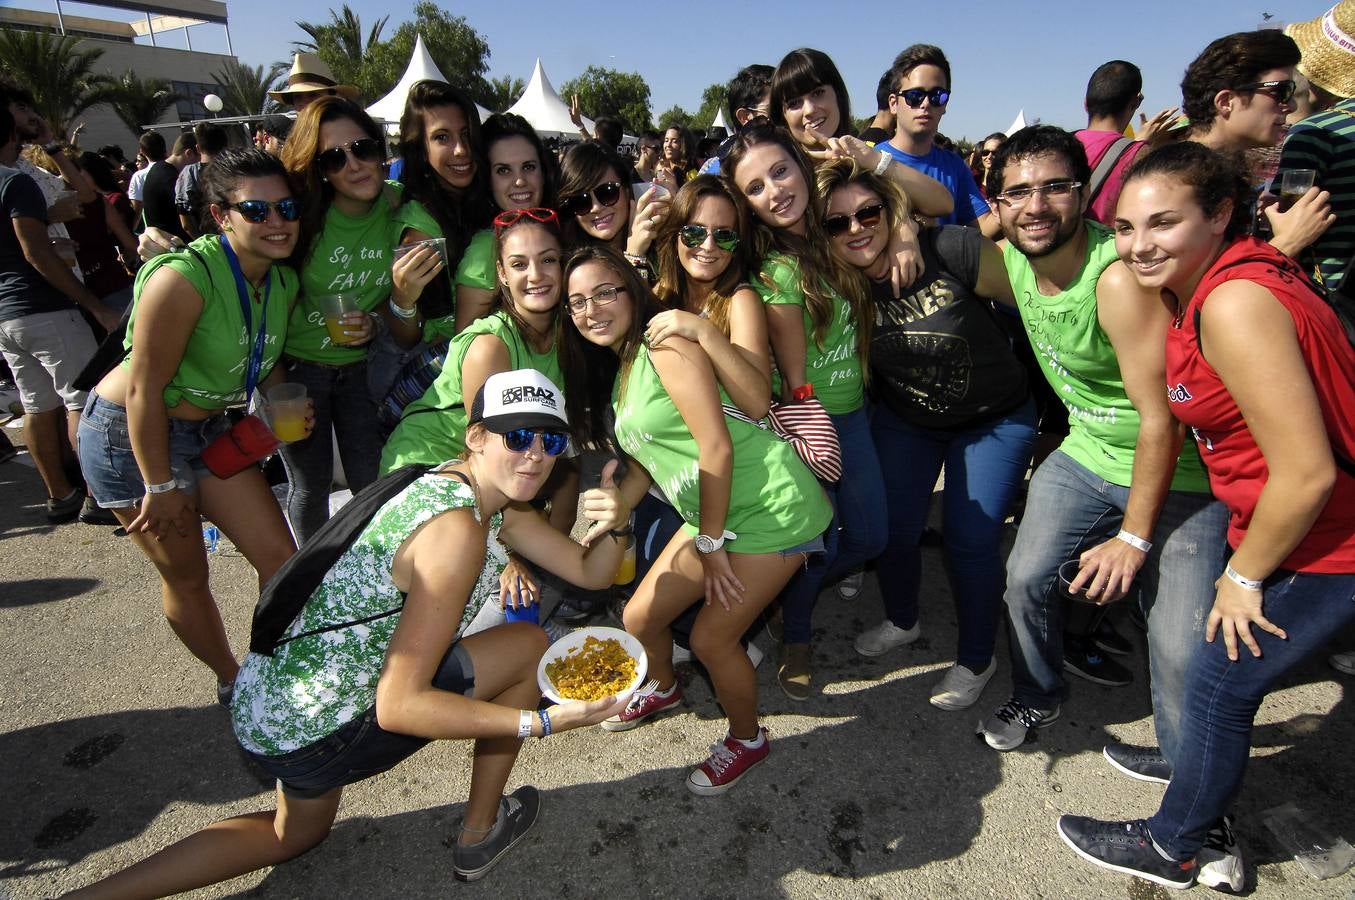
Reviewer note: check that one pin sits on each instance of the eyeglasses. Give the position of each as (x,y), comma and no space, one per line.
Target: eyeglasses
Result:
(520,440)
(577,305)
(1055,190)
(867,216)
(1280,91)
(363,150)
(914,96)
(256,211)
(695,235)
(606,194)
(509,218)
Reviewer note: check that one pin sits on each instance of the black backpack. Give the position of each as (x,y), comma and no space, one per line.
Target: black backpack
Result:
(286,593)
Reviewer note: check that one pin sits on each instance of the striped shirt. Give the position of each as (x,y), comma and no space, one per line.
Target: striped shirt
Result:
(1325,142)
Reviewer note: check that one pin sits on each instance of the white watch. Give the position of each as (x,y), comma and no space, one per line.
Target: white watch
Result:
(707,544)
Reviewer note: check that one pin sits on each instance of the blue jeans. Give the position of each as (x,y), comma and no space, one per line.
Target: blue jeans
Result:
(343,404)
(857,533)
(1223,697)
(985,467)
(1068,510)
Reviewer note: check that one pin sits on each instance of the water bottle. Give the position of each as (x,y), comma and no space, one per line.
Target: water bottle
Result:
(211,536)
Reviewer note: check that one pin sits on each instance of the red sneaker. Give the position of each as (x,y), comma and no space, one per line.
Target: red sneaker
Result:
(729,761)
(643,704)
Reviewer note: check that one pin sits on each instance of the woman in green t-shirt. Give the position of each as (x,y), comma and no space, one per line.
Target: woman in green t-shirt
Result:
(752,510)
(190,352)
(354,219)
(819,319)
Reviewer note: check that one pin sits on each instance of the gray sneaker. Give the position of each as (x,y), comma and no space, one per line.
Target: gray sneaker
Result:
(517,814)
(1006,728)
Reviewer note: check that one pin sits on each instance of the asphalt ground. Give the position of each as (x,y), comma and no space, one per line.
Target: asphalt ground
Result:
(112,746)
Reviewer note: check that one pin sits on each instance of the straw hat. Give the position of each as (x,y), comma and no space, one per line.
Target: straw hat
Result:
(1328,47)
(310,75)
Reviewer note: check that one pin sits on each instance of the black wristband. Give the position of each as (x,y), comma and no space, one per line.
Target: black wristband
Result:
(622,533)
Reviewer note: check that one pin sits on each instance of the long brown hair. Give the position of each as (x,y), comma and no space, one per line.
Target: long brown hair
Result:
(821,273)
(299,158)
(672,286)
(504,301)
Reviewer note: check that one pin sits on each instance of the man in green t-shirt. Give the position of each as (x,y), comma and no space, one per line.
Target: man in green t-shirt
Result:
(1122,493)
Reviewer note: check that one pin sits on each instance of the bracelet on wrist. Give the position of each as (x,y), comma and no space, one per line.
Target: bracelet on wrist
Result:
(545,721)
(402,313)
(882,165)
(163,487)
(1134,541)
(1251,584)
(622,533)
(524,724)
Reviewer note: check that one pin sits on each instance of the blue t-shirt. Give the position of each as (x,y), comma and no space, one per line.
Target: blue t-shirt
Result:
(947,168)
(23,290)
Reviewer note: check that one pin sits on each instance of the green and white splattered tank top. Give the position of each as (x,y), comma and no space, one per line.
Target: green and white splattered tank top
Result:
(315,684)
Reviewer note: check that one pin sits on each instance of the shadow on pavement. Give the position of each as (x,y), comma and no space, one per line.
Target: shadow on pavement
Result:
(31,591)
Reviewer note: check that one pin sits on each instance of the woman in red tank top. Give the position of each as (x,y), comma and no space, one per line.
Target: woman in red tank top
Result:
(1259,367)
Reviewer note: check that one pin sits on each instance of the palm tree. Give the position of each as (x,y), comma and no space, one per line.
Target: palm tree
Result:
(340,43)
(59,73)
(504,92)
(244,89)
(139,102)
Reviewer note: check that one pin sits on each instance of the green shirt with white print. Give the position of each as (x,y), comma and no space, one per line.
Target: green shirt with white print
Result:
(352,254)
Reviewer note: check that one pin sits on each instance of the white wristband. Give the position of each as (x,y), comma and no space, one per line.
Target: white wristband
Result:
(1135,541)
(1250,584)
(883,165)
(524,724)
(401,312)
(163,487)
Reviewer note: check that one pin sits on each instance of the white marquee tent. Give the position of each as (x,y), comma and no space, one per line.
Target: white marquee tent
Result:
(421,67)
(542,106)
(720,122)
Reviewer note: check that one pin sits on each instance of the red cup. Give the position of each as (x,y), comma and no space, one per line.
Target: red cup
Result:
(248,441)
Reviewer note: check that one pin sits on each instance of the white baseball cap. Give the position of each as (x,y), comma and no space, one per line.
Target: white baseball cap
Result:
(523,398)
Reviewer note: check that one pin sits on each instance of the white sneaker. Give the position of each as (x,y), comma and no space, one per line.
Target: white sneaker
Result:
(961,687)
(1343,662)
(754,654)
(885,637)
(1220,859)
(849,588)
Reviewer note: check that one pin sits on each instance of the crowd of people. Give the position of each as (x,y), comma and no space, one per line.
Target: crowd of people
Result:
(746,360)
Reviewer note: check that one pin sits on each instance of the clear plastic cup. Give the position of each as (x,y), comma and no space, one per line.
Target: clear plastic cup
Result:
(625,572)
(287,411)
(1067,575)
(1294,184)
(333,307)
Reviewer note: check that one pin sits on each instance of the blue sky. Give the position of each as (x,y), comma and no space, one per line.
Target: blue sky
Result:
(1005,56)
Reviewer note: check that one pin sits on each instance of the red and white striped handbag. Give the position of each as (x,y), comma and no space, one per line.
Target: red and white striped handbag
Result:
(804,425)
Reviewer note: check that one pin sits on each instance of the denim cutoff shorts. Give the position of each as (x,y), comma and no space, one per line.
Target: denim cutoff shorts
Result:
(110,469)
(362,748)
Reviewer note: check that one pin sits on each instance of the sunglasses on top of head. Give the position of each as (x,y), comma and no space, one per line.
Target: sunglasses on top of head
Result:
(867,216)
(695,235)
(913,97)
(509,218)
(1280,91)
(520,440)
(363,150)
(256,211)
(606,194)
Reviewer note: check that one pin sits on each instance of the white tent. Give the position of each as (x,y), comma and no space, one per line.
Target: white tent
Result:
(421,67)
(541,106)
(720,122)
(1017,124)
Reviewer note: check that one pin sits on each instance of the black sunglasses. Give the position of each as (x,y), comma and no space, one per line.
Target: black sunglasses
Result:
(695,235)
(606,194)
(363,150)
(867,216)
(1281,91)
(256,211)
(914,96)
(519,440)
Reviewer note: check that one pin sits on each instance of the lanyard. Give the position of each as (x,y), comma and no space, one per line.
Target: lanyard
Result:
(256,354)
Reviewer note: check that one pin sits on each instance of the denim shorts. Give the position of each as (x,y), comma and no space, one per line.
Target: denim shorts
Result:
(110,468)
(362,748)
(813,545)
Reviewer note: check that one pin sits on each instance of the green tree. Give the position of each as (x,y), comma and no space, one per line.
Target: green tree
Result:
(343,46)
(458,50)
(674,116)
(504,92)
(138,102)
(607,92)
(712,101)
(244,89)
(58,70)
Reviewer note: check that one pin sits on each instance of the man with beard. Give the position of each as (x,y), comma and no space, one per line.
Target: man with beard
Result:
(1121,494)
